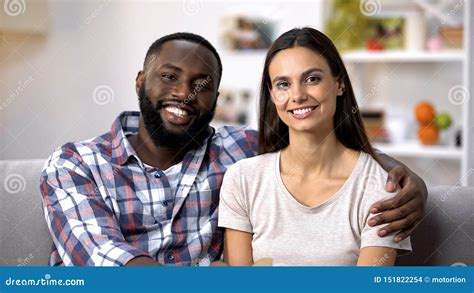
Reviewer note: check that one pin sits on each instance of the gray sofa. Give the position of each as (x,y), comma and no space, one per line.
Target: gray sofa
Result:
(444,238)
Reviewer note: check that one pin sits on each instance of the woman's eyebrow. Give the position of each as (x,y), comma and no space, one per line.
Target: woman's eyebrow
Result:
(312,70)
(306,72)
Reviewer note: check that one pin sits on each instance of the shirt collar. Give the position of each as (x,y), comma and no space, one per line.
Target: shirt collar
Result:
(125,124)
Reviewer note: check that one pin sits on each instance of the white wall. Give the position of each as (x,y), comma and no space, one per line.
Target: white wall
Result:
(47,79)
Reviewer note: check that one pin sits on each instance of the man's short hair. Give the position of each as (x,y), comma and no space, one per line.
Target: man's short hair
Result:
(155,48)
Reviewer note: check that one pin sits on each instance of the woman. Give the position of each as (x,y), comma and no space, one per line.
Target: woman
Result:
(305,199)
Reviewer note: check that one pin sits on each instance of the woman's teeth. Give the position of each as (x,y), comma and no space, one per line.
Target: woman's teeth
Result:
(302,111)
(177,111)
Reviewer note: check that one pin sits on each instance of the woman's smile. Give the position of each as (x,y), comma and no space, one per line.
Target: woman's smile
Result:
(303,112)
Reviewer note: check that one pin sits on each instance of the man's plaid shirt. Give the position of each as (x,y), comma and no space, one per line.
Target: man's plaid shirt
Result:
(104,207)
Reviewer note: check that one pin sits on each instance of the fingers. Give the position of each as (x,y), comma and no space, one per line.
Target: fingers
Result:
(402,197)
(413,208)
(395,176)
(389,216)
(407,232)
(405,225)
(396,226)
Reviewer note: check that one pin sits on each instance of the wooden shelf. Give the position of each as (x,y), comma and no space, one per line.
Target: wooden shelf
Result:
(416,149)
(404,56)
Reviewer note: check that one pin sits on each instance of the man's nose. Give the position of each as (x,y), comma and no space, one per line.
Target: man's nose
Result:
(181,90)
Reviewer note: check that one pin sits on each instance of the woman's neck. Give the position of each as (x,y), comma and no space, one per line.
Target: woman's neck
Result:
(317,154)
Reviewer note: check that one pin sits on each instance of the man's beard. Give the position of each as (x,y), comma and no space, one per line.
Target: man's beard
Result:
(190,138)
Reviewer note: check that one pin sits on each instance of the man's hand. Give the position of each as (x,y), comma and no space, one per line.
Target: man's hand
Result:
(142,261)
(405,211)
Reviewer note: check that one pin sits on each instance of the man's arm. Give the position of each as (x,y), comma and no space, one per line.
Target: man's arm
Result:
(83,227)
(404,211)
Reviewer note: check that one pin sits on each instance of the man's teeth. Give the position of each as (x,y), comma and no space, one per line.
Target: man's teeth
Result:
(302,111)
(177,111)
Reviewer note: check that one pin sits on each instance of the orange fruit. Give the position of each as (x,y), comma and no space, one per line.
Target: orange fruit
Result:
(428,134)
(425,113)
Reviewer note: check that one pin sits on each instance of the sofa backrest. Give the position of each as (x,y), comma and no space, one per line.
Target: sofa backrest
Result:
(445,237)
(24,236)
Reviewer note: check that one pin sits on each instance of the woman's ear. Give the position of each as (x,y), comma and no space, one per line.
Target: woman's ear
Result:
(341,87)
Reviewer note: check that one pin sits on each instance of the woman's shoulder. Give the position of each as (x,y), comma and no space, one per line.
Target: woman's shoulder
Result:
(370,180)
(255,164)
(373,167)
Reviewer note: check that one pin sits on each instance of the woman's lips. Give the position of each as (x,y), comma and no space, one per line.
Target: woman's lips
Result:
(303,113)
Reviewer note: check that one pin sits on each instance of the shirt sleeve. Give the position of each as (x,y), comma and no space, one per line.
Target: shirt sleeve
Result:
(373,192)
(233,210)
(83,227)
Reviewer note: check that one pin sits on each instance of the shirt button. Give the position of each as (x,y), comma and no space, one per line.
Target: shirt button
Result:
(164,203)
(170,257)
(157,175)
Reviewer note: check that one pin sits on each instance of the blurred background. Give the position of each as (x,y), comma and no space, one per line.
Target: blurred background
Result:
(68,68)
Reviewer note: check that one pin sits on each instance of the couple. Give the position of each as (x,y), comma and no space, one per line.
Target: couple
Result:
(147,192)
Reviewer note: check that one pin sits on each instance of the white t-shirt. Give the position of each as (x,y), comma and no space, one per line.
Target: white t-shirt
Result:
(254,199)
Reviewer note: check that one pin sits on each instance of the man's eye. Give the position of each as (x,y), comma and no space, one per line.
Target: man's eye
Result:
(202,85)
(282,85)
(313,79)
(168,76)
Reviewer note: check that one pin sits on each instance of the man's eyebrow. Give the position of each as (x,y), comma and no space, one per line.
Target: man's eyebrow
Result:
(177,68)
(306,72)
(204,75)
(172,66)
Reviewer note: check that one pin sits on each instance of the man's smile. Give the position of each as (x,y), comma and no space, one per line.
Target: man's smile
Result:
(177,113)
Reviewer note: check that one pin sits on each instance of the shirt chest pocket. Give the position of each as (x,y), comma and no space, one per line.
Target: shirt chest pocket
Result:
(141,210)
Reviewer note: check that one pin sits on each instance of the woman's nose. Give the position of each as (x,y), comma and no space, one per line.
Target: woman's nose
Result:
(298,94)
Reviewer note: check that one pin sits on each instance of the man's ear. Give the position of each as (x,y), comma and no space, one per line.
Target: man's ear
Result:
(341,87)
(139,81)
(217,95)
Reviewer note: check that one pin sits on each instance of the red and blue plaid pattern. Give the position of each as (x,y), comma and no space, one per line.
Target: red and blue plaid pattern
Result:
(104,207)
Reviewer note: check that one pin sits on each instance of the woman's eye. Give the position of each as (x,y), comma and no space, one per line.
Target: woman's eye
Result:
(282,85)
(313,79)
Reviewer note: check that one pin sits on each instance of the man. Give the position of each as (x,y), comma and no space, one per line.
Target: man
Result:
(146,192)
